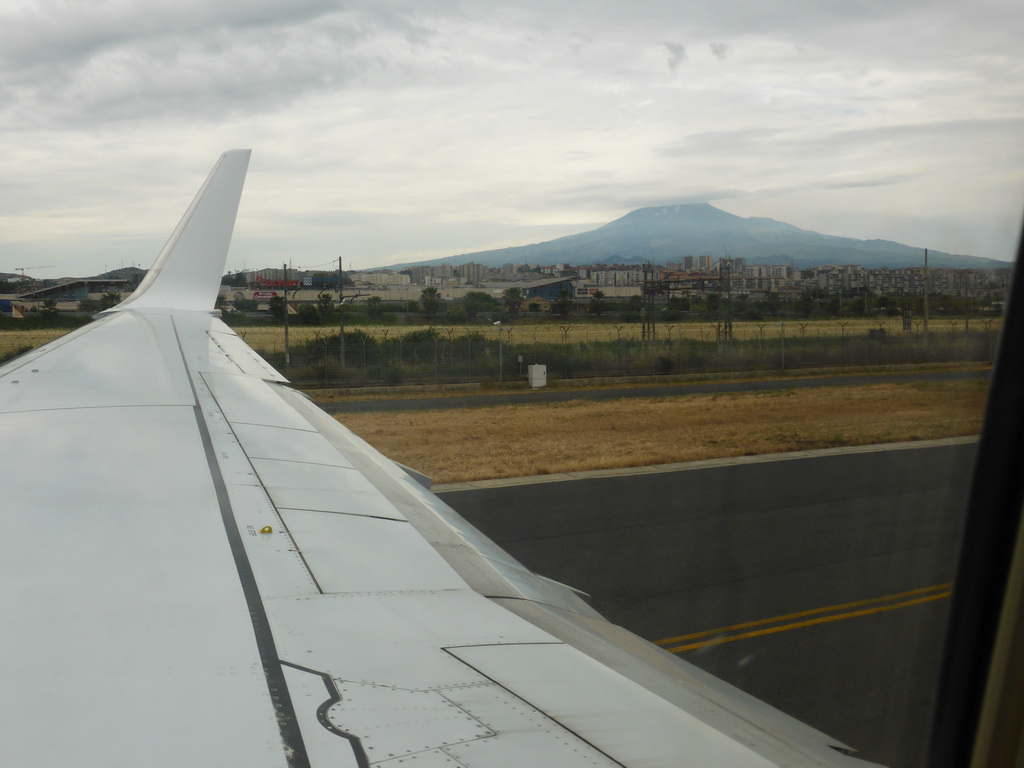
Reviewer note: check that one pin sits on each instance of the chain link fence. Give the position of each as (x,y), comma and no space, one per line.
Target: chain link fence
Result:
(400,355)
(452,355)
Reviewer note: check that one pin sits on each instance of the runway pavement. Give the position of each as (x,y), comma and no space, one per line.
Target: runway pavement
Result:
(614,393)
(840,558)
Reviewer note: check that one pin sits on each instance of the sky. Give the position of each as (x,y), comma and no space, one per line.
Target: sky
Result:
(390,131)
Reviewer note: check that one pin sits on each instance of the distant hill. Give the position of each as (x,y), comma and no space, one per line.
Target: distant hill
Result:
(132,274)
(668,233)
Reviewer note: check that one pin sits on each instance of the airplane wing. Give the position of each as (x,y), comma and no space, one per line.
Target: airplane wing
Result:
(199,567)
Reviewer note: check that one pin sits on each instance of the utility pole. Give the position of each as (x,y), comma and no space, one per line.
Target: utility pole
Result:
(725,288)
(782,339)
(648,329)
(287,350)
(926,286)
(341,315)
(501,356)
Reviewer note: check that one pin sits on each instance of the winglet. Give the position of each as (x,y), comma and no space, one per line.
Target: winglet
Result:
(188,271)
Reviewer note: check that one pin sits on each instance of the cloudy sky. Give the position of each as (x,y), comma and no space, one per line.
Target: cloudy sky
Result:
(392,130)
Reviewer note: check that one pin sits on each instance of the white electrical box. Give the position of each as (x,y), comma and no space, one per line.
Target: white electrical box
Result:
(538,376)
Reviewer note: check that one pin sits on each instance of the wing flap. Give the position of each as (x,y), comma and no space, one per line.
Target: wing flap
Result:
(393,639)
(277,443)
(626,722)
(242,355)
(351,553)
(248,400)
(323,488)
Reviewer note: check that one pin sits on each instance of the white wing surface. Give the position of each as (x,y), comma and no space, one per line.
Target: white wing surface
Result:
(199,567)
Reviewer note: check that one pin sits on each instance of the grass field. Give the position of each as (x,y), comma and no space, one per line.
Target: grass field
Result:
(511,441)
(11,341)
(270,339)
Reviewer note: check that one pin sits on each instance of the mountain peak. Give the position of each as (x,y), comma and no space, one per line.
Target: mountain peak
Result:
(682,212)
(667,233)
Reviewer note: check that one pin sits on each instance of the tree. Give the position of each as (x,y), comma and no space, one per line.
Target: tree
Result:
(109,299)
(562,306)
(375,307)
(49,308)
(805,304)
(277,309)
(598,305)
(309,314)
(431,303)
(325,306)
(512,298)
(234,279)
(475,302)
(456,315)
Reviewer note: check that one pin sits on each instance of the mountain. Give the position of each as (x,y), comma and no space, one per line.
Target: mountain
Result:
(668,233)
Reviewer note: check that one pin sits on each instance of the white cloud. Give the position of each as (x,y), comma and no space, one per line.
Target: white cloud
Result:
(387,129)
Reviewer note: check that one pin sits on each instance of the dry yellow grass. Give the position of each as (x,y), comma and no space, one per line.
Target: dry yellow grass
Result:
(510,441)
(14,340)
(268,339)
(271,339)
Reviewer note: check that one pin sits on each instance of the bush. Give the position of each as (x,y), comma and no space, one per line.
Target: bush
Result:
(309,314)
(457,315)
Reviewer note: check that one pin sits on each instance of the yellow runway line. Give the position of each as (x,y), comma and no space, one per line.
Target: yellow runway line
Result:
(836,613)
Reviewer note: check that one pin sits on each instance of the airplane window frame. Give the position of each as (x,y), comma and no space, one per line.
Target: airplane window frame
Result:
(979,712)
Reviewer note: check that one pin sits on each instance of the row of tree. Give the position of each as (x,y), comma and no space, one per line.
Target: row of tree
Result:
(431,305)
(714,307)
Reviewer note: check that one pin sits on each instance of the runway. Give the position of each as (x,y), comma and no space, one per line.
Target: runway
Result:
(817,583)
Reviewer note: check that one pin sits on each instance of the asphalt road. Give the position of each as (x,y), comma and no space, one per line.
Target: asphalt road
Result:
(683,552)
(670,390)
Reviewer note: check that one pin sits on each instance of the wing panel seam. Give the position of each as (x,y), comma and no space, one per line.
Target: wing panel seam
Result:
(529,703)
(291,735)
(266,492)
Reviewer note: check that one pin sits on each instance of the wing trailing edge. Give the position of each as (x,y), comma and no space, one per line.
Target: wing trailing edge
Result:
(187,272)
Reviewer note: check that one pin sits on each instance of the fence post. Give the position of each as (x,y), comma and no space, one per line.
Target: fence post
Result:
(782,327)
(565,347)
